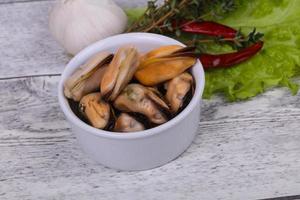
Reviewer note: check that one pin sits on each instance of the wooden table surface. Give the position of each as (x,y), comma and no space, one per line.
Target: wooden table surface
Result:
(246,150)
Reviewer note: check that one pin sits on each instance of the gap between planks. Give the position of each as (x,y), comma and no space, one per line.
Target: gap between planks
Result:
(29,76)
(20,1)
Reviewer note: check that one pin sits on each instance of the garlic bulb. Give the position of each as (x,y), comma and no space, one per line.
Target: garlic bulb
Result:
(75,24)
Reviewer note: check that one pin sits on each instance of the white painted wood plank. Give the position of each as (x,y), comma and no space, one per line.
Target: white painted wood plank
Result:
(26,45)
(131,3)
(19,1)
(246,150)
(27,48)
(124,3)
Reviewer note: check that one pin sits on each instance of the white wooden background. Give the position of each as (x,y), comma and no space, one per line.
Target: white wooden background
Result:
(246,150)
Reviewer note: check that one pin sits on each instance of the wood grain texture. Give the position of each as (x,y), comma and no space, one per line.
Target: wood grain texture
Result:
(246,150)
(124,3)
(19,1)
(27,47)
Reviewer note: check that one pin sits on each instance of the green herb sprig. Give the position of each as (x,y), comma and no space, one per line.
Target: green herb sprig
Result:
(158,18)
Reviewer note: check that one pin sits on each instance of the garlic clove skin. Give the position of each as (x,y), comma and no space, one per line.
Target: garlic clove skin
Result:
(75,24)
(126,123)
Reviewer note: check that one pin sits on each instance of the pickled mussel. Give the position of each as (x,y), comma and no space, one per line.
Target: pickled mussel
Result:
(139,99)
(95,110)
(129,92)
(177,90)
(157,68)
(86,78)
(120,72)
(127,123)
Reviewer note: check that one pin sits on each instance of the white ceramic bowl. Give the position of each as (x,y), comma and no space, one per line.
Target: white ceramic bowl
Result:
(140,150)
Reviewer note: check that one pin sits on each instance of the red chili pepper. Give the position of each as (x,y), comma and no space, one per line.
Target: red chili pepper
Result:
(227,60)
(208,28)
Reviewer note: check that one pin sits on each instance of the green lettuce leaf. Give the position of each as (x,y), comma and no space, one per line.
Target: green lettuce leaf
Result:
(276,64)
(134,14)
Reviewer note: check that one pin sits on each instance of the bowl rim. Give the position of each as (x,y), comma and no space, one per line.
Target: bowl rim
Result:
(96,47)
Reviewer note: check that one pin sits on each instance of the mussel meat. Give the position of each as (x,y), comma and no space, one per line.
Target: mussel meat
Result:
(139,99)
(120,72)
(95,110)
(163,64)
(86,78)
(177,89)
(159,52)
(126,123)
